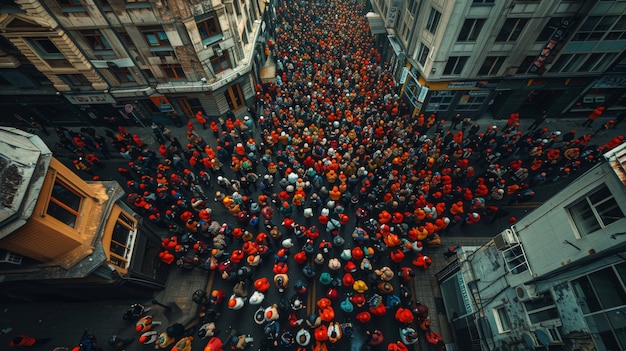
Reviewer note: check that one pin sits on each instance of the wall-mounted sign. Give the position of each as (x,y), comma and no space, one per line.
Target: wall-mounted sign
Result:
(89,99)
(162,103)
(557,36)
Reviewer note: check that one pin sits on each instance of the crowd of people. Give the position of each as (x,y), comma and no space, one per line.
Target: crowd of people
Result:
(330,173)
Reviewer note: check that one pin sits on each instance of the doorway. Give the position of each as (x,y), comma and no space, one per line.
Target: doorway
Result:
(234,97)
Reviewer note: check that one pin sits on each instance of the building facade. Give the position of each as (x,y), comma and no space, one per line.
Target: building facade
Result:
(64,238)
(564,57)
(76,61)
(555,280)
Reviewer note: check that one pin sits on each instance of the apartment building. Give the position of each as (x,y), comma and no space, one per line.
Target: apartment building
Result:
(555,280)
(77,61)
(564,57)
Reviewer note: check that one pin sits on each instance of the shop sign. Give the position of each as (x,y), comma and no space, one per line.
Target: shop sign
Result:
(88,99)
(405,73)
(558,36)
(421,96)
(462,85)
(464,293)
(162,103)
(611,82)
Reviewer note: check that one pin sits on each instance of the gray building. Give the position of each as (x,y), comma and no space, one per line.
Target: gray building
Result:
(81,60)
(565,57)
(556,279)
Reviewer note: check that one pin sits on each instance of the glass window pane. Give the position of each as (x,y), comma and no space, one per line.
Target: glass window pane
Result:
(120,234)
(621,24)
(621,271)
(601,332)
(606,23)
(584,218)
(152,40)
(609,287)
(66,196)
(118,249)
(544,315)
(584,292)
(590,24)
(504,319)
(600,195)
(617,319)
(61,214)
(609,212)
(586,67)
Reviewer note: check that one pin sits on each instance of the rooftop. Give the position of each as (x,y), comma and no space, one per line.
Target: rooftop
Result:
(24,160)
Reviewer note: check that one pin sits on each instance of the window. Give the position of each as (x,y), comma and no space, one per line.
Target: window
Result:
(423,54)
(491,65)
(525,65)
(479,2)
(433,20)
(440,101)
(155,36)
(602,300)
(595,27)
(472,101)
(567,63)
(220,62)
(511,29)
(46,48)
(595,211)
(122,241)
(414,92)
(64,204)
(597,62)
(209,27)
(404,28)
(455,65)
(77,80)
(122,74)
(503,322)
(95,39)
(471,29)
(69,3)
(173,71)
(412,7)
(618,32)
(541,309)
(126,39)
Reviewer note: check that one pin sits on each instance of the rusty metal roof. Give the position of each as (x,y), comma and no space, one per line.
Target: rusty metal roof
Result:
(617,159)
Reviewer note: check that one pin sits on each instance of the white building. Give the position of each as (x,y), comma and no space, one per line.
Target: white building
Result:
(504,56)
(556,278)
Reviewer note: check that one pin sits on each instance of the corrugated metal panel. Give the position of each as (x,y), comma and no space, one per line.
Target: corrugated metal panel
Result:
(617,158)
(40,240)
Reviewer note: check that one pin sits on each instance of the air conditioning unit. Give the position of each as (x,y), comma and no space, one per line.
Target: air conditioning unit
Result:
(505,239)
(10,257)
(510,237)
(525,292)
